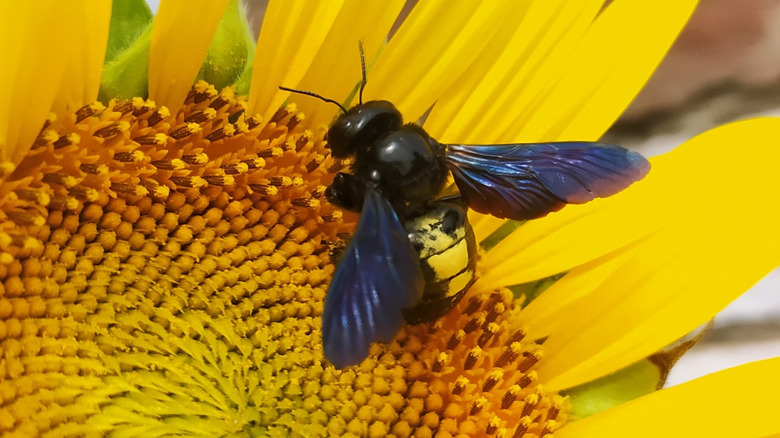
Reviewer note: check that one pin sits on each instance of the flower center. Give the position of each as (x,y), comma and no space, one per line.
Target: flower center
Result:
(472,372)
(166,274)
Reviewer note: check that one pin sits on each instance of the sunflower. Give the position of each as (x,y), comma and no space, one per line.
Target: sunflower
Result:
(165,242)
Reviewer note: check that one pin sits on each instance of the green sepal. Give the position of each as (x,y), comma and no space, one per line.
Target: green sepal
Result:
(641,378)
(231,50)
(127,75)
(129,18)
(245,80)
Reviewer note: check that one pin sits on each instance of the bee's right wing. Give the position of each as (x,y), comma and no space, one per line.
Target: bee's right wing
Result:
(527,181)
(378,275)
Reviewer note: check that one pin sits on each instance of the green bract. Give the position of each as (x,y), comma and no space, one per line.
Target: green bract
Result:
(125,72)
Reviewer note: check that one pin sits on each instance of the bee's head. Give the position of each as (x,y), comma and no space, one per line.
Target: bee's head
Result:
(362,125)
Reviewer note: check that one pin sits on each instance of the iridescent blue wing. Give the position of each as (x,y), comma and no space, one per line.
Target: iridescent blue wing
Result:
(378,275)
(526,181)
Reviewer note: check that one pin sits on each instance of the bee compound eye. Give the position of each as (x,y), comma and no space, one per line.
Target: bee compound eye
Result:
(339,138)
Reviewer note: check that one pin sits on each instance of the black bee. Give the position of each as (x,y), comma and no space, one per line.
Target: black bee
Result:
(390,271)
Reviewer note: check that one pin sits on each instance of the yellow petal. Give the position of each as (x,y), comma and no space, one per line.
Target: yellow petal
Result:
(601,76)
(582,233)
(520,80)
(484,224)
(34,63)
(82,77)
(290,37)
(707,251)
(335,71)
(181,38)
(503,74)
(543,314)
(425,56)
(739,402)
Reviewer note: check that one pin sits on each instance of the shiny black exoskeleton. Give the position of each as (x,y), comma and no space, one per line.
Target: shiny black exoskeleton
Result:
(402,161)
(404,164)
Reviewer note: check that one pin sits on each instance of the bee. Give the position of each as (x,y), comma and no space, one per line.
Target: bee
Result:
(444,245)
(413,253)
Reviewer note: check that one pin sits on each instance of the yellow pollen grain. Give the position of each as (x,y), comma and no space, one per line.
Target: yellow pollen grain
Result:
(524,425)
(310,203)
(169,164)
(219,180)
(84,193)
(442,359)
(195,159)
(201,116)
(159,114)
(66,140)
(493,425)
(47,136)
(530,361)
(94,169)
(112,129)
(89,110)
(37,196)
(493,378)
(550,426)
(151,139)
(237,168)
(273,152)
(185,130)
(60,179)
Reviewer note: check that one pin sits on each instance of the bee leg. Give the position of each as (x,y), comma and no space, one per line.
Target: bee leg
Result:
(346,191)
(337,250)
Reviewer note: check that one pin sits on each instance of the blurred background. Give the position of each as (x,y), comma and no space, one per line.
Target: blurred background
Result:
(724,67)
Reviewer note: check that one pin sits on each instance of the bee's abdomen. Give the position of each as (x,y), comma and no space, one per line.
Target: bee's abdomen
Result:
(447,251)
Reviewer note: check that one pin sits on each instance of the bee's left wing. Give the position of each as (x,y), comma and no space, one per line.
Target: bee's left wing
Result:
(378,275)
(527,181)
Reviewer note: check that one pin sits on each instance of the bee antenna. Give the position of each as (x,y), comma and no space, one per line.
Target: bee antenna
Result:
(363,70)
(313,94)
